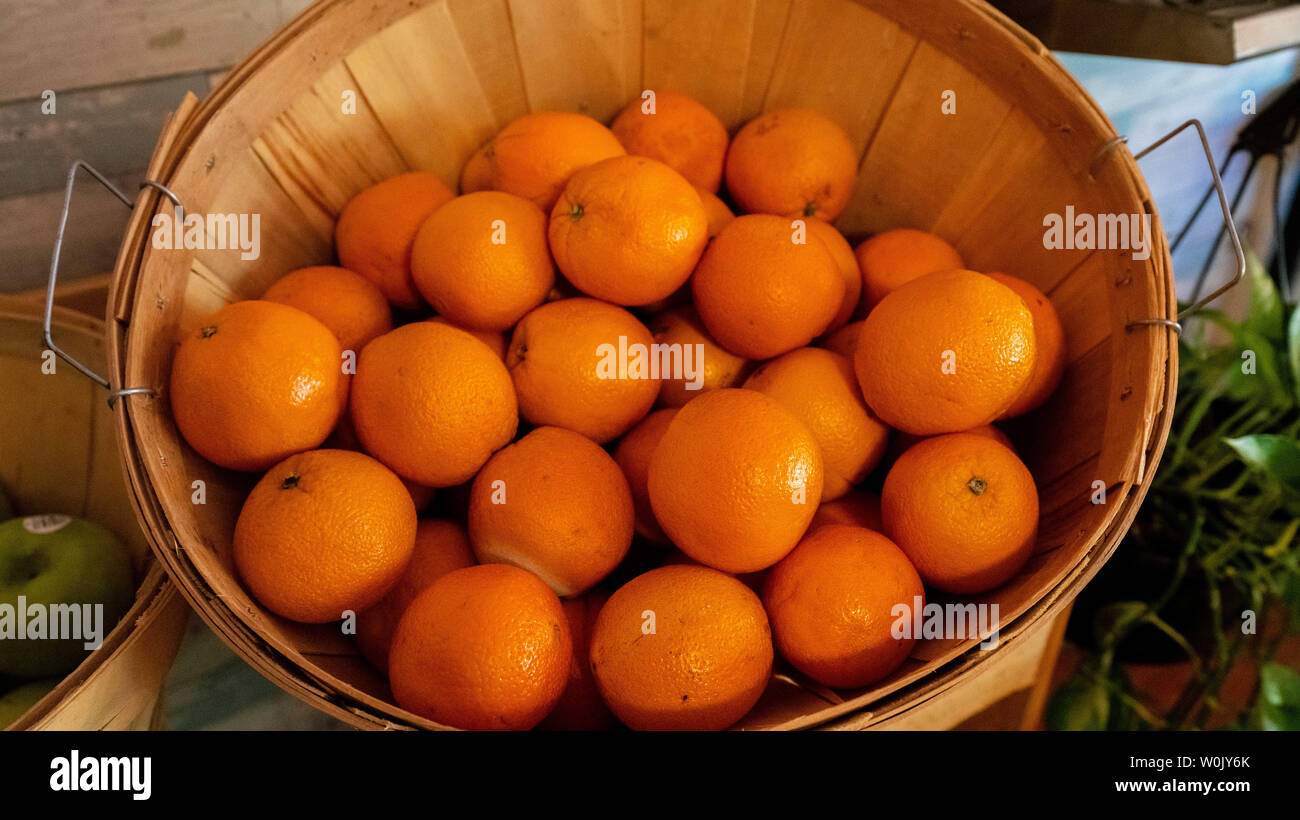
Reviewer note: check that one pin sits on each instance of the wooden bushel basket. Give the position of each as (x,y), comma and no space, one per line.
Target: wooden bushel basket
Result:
(58,453)
(433,79)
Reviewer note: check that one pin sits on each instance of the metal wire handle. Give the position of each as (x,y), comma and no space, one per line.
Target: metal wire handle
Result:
(1228,223)
(54,271)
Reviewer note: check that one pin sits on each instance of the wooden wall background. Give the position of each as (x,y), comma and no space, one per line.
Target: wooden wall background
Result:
(117,67)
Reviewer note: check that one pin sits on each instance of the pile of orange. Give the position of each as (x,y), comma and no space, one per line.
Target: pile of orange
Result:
(646,337)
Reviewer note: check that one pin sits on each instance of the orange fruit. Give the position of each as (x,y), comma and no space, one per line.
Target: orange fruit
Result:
(494,339)
(628,230)
(1050,338)
(794,162)
(832,603)
(964,509)
(324,532)
(534,156)
(900,443)
(677,131)
(753,580)
(711,366)
(440,547)
(844,341)
(432,402)
(476,173)
(735,480)
(633,456)
(820,389)
(760,293)
(345,302)
(847,264)
(256,382)
(946,352)
(377,227)
(715,210)
(858,508)
(344,437)
(481,260)
(482,648)
(421,495)
(563,358)
(580,708)
(894,258)
(555,504)
(681,648)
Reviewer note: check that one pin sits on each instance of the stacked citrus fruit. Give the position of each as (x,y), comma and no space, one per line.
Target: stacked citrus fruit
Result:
(648,337)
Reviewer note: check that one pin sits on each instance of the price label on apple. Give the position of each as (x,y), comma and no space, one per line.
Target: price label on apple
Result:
(45,524)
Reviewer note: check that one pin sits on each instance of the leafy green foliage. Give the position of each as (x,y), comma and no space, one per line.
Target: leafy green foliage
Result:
(1273,455)
(1080,705)
(1225,506)
(1279,699)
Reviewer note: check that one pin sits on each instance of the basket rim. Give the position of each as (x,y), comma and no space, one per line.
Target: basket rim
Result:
(175,147)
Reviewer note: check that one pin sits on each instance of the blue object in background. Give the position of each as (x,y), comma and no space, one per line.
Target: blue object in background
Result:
(210,687)
(1146,99)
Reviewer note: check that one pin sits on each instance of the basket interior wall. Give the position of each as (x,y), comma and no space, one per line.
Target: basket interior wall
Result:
(433,80)
(57,452)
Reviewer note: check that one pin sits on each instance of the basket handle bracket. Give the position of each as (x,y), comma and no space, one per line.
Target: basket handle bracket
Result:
(54,272)
(1228,223)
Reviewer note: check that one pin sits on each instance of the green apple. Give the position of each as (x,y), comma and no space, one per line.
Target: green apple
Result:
(64,583)
(17,701)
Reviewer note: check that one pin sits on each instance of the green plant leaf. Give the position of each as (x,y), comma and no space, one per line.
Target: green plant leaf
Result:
(1293,349)
(1266,380)
(1278,718)
(1080,705)
(1114,619)
(1274,454)
(1279,685)
(1221,364)
(1278,706)
(1291,597)
(1265,305)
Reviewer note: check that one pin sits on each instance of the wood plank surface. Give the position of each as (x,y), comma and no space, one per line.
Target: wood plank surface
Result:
(66,44)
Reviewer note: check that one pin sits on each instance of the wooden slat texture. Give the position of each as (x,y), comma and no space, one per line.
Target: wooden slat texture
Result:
(486,32)
(112,128)
(1027,189)
(1067,431)
(902,184)
(1015,141)
(121,692)
(205,293)
(47,417)
(1072,297)
(579,55)
(708,51)
(322,156)
(49,43)
(420,81)
(769,33)
(289,237)
(28,225)
(842,60)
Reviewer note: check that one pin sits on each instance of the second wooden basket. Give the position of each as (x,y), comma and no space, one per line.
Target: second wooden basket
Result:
(433,79)
(58,455)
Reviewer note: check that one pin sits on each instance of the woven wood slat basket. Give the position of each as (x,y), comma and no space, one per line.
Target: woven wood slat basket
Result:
(435,78)
(58,453)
